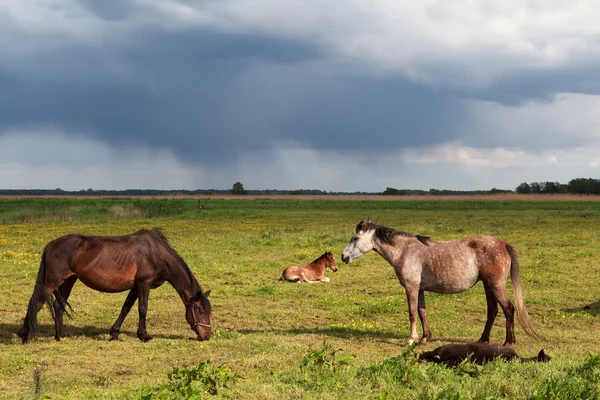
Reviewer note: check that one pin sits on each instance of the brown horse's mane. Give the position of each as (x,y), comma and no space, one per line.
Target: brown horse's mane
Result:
(158,234)
(384,233)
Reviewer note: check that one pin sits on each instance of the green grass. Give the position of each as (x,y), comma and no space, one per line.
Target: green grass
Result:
(266,330)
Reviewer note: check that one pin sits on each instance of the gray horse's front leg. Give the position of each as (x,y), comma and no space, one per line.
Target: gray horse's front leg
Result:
(423,318)
(412,295)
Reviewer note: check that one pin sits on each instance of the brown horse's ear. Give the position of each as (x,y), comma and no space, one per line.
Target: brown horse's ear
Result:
(207,293)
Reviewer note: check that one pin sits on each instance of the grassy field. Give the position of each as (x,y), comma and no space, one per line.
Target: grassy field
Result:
(272,340)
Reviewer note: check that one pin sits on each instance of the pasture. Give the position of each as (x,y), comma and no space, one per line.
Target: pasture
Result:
(273,339)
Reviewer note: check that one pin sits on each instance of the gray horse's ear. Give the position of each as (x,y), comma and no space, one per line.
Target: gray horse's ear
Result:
(364,224)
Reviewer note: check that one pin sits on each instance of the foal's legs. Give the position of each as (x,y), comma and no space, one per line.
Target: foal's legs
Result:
(129,301)
(423,318)
(492,311)
(64,291)
(143,290)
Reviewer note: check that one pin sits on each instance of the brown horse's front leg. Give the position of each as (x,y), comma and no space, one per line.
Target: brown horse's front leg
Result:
(423,318)
(412,295)
(143,293)
(129,301)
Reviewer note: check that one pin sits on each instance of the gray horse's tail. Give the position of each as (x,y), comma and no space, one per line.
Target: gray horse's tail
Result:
(522,314)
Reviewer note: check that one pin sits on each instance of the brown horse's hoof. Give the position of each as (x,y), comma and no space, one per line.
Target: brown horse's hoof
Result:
(144,337)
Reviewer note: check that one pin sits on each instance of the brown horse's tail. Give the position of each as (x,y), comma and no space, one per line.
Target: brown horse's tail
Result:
(30,322)
(522,314)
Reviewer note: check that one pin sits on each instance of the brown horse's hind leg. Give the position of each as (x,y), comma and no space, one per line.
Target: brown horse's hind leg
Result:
(129,301)
(62,295)
(34,307)
(46,284)
(143,291)
(423,318)
(492,311)
(509,313)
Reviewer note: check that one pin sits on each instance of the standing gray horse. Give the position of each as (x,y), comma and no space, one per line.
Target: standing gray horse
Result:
(422,264)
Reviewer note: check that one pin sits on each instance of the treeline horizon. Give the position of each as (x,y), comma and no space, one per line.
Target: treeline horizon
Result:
(574,186)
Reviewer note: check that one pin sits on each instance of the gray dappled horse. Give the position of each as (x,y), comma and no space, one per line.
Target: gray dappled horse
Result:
(422,264)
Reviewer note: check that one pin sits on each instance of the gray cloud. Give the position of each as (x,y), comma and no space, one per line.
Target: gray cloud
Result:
(209,96)
(217,84)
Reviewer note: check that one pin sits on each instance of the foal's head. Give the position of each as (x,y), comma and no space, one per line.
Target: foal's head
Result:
(197,314)
(361,242)
(330,261)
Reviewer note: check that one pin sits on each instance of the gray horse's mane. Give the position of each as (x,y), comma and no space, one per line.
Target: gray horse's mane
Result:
(382,232)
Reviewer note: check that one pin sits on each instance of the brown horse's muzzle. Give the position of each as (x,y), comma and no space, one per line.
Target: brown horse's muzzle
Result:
(203,332)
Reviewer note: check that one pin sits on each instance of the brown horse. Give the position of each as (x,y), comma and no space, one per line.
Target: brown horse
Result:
(479,353)
(137,262)
(313,272)
(422,264)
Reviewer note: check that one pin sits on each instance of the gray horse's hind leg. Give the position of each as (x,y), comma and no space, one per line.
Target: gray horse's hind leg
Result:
(492,311)
(509,313)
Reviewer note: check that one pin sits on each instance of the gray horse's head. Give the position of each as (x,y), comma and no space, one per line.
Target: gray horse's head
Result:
(361,242)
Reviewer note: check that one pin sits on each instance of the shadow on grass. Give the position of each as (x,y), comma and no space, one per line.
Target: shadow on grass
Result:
(347,333)
(592,309)
(8,333)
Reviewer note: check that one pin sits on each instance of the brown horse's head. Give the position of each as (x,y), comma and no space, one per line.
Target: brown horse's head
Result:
(197,314)
(331,261)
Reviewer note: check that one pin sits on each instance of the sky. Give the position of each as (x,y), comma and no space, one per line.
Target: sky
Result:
(345,95)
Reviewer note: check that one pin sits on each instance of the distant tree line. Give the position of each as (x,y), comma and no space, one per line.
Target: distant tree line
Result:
(575,186)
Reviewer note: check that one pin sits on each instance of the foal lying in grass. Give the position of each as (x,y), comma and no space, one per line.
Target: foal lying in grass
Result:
(313,272)
(453,354)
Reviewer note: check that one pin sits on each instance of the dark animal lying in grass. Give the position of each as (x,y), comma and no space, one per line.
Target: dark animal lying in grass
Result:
(479,353)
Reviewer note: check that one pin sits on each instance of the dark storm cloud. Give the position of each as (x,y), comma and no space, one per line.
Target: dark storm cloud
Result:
(540,85)
(209,96)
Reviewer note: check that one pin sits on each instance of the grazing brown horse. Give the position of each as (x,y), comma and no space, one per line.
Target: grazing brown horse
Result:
(313,272)
(137,262)
(422,264)
(479,353)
